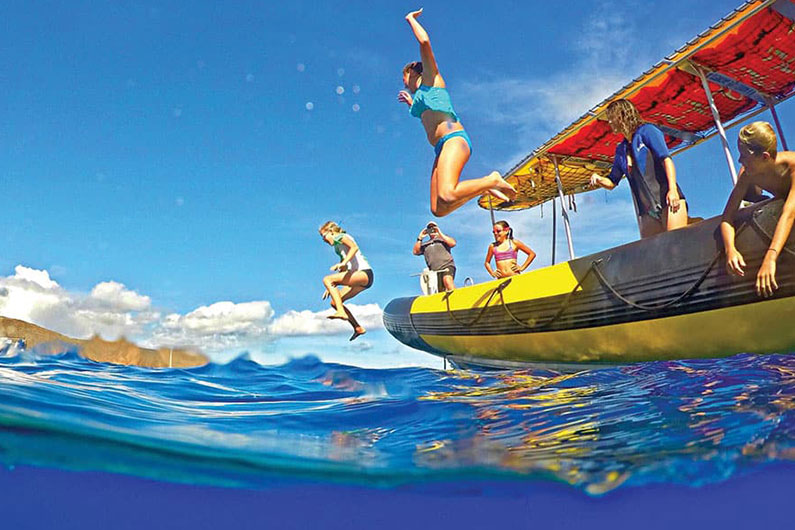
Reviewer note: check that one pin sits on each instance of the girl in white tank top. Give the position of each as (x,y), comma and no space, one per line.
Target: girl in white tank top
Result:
(349,277)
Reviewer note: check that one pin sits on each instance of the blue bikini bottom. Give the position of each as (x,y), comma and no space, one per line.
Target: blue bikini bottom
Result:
(463,134)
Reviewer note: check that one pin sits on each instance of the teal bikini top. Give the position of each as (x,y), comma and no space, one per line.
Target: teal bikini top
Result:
(432,98)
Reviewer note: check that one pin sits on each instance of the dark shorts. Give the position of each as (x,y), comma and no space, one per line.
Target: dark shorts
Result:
(449,271)
(369,273)
(657,215)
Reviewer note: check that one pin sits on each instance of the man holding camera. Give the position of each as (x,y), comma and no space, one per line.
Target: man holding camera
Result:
(436,251)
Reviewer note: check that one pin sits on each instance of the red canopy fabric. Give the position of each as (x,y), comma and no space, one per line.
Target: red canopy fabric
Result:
(749,59)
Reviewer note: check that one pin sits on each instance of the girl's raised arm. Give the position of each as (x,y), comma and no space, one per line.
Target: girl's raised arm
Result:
(430,71)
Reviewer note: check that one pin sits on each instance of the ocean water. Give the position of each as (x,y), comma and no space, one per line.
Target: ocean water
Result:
(287,444)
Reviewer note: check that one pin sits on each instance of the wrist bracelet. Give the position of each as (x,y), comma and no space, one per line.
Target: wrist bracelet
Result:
(772,249)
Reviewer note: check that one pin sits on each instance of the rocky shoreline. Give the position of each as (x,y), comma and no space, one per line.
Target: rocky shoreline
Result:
(121,351)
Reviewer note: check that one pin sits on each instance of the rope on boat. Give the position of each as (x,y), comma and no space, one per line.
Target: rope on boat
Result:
(560,311)
(606,284)
(647,307)
(594,268)
(496,290)
(769,236)
(500,288)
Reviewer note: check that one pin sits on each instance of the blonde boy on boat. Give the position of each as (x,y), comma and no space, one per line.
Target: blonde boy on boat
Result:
(773,171)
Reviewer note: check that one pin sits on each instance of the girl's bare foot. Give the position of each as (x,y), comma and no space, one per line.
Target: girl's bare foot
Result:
(502,186)
(357,333)
(499,195)
(340,316)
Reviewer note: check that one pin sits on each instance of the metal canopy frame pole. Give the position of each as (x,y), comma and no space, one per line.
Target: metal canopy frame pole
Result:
(718,124)
(772,109)
(554,229)
(563,207)
(750,92)
(491,210)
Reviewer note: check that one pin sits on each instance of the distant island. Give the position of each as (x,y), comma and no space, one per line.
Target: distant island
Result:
(119,351)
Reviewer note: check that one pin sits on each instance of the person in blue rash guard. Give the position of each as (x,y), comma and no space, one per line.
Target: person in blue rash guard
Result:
(643,157)
(427,97)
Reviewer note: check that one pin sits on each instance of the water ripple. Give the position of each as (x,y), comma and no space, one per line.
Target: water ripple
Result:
(239,424)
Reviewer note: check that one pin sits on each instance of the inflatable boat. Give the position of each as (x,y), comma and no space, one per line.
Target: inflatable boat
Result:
(663,297)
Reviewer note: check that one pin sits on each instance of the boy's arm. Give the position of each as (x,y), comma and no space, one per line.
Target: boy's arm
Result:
(784,225)
(734,260)
(766,278)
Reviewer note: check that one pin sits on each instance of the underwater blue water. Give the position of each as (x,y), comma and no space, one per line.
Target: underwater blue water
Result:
(591,438)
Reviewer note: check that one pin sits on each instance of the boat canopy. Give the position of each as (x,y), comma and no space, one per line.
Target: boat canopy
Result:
(747,60)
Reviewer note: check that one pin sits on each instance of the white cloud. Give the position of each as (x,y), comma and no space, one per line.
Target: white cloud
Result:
(115,295)
(217,327)
(223,317)
(112,310)
(315,323)
(40,278)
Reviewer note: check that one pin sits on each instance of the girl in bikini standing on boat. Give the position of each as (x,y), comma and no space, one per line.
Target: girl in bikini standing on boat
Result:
(505,251)
(426,95)
(352,274)
(643,157)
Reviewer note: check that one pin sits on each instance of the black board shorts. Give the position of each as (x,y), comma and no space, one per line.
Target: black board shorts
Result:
(449,271)
(369,273)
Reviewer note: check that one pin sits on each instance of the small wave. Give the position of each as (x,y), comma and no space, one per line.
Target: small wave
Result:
(693,422)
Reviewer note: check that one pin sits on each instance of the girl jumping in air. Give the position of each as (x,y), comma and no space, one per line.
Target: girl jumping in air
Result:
(349,277)
(428,99)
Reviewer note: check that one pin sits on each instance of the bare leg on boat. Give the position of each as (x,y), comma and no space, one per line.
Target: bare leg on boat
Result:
(677,219)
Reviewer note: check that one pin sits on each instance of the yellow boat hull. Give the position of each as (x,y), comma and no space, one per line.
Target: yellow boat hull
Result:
(666,297)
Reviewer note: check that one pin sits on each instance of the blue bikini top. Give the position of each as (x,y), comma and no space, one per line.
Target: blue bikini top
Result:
(432,98)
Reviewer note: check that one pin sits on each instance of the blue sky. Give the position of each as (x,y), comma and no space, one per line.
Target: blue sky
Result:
(184,154)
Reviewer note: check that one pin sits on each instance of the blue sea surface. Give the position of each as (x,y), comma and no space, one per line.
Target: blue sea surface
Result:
(412,437)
